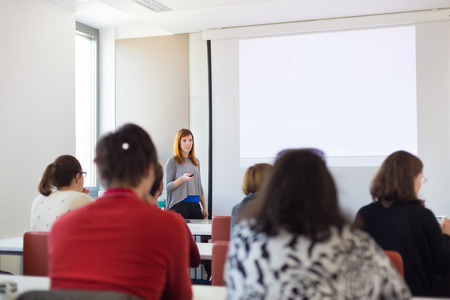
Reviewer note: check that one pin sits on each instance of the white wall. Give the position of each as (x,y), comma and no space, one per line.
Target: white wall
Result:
(226,172)
(37,103)
(152,87)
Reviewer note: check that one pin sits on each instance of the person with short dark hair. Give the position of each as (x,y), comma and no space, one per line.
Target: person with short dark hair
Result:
(120,242)
(152,199)
(61,190)
(294,242)
(253,179)
(398,221)
(157,187)
(183,179)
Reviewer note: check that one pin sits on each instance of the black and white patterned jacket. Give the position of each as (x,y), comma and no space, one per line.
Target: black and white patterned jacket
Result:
(349,265)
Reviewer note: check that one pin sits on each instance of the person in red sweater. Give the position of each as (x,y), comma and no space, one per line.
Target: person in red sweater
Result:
(120,242)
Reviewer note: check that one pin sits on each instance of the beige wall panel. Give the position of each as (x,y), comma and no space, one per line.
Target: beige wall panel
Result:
(152,87)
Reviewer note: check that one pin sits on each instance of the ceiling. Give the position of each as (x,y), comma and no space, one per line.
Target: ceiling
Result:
(188,16)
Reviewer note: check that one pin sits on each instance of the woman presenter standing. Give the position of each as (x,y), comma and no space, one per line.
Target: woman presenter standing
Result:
(183,180)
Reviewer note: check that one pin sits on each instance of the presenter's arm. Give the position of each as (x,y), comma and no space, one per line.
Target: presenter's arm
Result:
(202,197)
(205,210)
(171,170)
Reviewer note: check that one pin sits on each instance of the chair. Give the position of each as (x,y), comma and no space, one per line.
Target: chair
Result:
(396,260)
(220,228)
(219,255)
(35,253)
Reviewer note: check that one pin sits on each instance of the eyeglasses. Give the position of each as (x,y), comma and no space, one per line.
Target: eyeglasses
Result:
(84,174)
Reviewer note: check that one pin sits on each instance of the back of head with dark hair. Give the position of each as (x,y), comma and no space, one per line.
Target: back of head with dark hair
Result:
(158,179)
(254,177)
(124,156)
(300,197)
(59,174)
(394,181)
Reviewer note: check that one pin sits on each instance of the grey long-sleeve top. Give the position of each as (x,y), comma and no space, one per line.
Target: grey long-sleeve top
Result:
(186,188)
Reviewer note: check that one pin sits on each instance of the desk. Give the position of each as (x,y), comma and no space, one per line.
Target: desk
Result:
(12,246)
(201,230)
(205,250)
(200,227)
(28,283)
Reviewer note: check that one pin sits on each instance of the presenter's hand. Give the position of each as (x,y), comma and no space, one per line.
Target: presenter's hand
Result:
(187,177)
(205,214)
(86,191)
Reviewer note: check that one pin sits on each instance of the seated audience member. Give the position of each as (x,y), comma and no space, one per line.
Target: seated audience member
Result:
(152,199)
(398,220)
(120,242)
(294,243)
(253,180)
(156,188)
(62,190)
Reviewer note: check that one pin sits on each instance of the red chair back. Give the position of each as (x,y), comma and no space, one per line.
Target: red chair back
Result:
(35,253)
(220,228)
(219,256)
(397,261)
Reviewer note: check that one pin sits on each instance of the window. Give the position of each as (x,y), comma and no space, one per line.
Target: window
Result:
(86,101)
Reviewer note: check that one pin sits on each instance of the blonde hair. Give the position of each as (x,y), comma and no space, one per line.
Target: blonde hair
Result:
(254,177)
(176,147)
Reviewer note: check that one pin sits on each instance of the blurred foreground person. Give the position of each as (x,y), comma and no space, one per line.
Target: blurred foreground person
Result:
(119,242)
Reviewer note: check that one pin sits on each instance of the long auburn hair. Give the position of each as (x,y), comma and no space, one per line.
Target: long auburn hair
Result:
(394,181)
(299,196)
(176,147)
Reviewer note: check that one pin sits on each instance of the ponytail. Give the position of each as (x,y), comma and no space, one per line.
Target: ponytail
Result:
(46,183)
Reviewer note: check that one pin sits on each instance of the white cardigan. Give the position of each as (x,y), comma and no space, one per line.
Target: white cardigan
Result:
(46,210)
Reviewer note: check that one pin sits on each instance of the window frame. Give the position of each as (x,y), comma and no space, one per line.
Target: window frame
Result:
(95,33)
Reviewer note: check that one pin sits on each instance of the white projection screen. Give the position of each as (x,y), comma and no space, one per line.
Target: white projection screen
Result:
(351,94)
(356,94)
